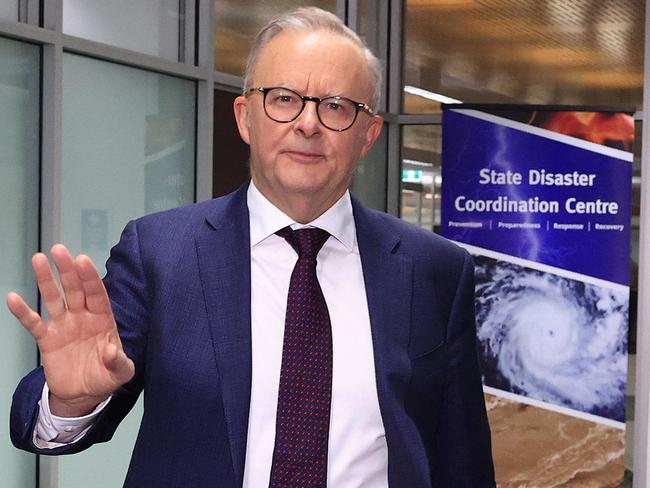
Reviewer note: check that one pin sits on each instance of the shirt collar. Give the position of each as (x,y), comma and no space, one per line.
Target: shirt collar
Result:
(266,219)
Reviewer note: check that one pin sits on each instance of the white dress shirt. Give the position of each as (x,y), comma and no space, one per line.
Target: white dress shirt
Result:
(358,454)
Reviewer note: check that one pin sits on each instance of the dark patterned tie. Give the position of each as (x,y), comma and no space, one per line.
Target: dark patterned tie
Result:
(302,423)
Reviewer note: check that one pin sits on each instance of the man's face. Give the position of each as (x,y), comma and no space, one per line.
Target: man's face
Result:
(303,159)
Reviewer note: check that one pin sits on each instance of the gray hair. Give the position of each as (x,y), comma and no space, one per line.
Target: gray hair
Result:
(310,19)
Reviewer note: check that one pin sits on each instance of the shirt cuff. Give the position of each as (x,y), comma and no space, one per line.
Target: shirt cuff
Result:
(52,431)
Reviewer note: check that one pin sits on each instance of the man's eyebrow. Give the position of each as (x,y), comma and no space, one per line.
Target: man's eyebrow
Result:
(334,94)
(291,87)
(288,86)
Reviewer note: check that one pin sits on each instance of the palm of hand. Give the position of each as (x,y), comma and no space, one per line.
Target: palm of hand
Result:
(80,346)
(74,351)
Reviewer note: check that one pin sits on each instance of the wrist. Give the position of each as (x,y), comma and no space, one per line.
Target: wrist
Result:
(75,407)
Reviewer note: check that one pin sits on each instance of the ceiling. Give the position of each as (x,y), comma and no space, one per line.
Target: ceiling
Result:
(586,52)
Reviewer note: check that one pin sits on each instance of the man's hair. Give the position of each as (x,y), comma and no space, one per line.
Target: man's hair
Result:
(311,19)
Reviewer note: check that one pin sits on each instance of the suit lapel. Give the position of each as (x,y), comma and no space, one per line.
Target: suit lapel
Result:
(388,277)
(388,280)
(223,250)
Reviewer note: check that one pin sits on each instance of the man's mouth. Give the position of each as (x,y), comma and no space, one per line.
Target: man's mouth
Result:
(304,156)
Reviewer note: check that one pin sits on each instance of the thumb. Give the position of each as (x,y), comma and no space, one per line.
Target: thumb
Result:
(118,364)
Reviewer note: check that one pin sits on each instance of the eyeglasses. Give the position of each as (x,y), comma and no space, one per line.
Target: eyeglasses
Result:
(335,113)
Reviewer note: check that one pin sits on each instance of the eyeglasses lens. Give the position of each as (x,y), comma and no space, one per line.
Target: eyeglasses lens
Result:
(284,105)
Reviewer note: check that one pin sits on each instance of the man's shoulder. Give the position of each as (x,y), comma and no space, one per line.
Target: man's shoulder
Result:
(414,240)
(196,214)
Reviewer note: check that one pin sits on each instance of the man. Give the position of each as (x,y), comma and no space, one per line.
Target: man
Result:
(351,363)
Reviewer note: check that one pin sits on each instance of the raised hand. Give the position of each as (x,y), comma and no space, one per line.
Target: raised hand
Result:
(80,348)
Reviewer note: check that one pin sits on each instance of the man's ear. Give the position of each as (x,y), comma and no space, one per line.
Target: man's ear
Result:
(372,134)
(240,107)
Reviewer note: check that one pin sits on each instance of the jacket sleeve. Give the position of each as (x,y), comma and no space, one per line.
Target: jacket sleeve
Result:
(127,289)
(463,443)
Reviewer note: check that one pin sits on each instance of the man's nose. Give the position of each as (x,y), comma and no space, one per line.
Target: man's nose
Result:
(308,122)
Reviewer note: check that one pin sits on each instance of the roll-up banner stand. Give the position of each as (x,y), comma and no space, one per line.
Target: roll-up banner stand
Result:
(541,197)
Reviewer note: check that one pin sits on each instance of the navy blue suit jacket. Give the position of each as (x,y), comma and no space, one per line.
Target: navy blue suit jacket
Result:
(179,283)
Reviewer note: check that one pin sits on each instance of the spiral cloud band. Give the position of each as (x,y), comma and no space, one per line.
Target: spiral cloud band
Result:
(551,338)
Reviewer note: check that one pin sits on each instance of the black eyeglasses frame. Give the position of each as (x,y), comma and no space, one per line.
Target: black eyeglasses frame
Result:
(264,90)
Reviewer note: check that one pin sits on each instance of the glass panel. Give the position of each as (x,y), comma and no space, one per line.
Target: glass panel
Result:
(369,184)
(128,150)
(9,10)
(421,181)
(237,22)
(505,51)
(19,174)
(148,26)
(370,30)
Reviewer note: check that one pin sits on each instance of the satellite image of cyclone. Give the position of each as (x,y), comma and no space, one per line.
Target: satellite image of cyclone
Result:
(551,338)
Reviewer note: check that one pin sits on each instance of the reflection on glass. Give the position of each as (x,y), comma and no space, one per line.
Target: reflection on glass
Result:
(19,161)
(147,26)
(237,23)
(524,52)
(420,170)
(417,104)
(128,150)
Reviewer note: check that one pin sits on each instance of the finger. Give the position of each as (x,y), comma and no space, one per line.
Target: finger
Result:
(26,316)
(74,293)
(118,364)
(96,296)
(47,285)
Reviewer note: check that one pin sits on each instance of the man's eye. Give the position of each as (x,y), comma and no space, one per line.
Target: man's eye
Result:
(285,99)
(333,106)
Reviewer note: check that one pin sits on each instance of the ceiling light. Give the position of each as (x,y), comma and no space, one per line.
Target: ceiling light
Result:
(436,97)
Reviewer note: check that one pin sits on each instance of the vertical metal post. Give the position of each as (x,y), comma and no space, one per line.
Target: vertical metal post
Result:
(394,105)
(352,15)
(642,387)
(205,100)
(28,11)
(182,31)
(51,122)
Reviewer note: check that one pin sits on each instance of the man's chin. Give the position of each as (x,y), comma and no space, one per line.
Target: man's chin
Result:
(304,183)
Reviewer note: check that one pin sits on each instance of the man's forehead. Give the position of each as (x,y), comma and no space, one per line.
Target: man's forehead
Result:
(308,56)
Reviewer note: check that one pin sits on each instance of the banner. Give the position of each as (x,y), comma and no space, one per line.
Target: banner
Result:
(542,199)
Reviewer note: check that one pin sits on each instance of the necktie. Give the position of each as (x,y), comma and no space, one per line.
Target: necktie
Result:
(302,423)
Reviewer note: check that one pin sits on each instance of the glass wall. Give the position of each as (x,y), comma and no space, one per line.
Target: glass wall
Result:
(369,183)
(19,188)
(236,23)
(128,150)
(421,181)
(149,26)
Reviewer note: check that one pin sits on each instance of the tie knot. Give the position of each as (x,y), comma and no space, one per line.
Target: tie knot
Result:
(306,242)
